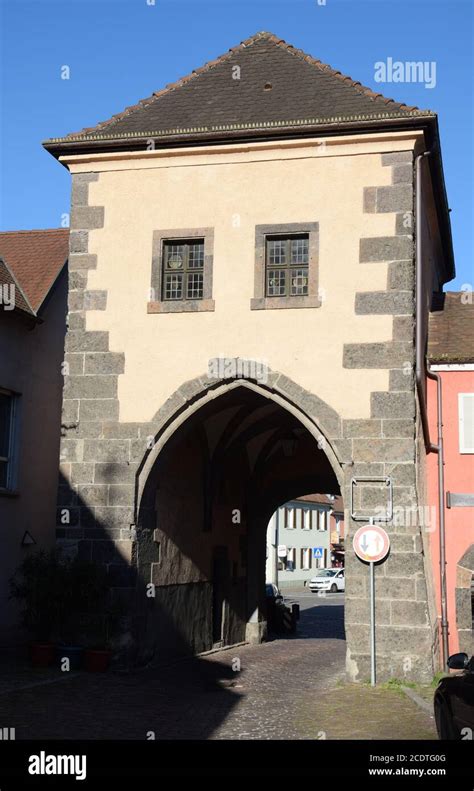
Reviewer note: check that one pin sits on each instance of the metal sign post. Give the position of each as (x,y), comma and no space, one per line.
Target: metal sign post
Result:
(371,544)
(372,625)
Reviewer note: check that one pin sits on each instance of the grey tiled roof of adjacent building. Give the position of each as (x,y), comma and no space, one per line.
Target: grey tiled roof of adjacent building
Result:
(263,81)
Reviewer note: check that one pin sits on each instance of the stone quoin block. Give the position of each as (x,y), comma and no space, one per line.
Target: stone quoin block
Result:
(81,261)
(401,275)
(87,217)
(404,224)
(384,302)
(397,197)
(395,588)
(76,322)
(74,364)
(99,409)
(77,281)
(385,248)
(398,428)
(392,405)
(386,354)
(403,564)
(70,412)
(115,430)
(402,379)
(104,363)
(370,449)
(95,300)
(90,387)
(402,174)
(362,428)
(397,157)
(75,301)
(358,610)
(84,429)
(78,241)
(95,341)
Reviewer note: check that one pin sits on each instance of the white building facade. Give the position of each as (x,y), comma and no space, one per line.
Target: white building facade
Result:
(298,542)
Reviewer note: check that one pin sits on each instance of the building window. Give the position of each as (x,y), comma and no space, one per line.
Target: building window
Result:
(182,271)
(286,269)
(291,559)
(290,518)
(322,520)
(466,422)
(305,558)
(8,415)
(306,519)
(286,266)
(321,562)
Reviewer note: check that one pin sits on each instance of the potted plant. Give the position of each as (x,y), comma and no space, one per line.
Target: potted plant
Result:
(84,591)
(37,585)
(98,655)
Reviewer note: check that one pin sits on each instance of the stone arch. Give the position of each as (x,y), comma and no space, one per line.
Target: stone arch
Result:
(321,420)
(464,573)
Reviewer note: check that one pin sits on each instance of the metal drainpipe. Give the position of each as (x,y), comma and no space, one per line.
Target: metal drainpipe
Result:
(422,368)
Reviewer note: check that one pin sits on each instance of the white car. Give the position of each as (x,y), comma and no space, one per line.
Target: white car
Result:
(331,580)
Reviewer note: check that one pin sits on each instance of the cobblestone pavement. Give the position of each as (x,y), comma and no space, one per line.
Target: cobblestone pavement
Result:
(285,689)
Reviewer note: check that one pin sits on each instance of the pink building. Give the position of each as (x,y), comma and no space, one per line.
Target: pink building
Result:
(451,354)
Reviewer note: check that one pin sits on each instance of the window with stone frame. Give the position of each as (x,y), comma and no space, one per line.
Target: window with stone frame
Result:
(286,267)
(182,271)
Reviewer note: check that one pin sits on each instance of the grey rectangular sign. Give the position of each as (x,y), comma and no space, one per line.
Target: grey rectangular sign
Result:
(459,500)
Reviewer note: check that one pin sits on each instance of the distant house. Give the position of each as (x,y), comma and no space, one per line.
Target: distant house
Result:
(33,307)
(304,535)
(451,353)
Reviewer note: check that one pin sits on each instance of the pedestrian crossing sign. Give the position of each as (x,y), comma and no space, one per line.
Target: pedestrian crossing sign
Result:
(317,552)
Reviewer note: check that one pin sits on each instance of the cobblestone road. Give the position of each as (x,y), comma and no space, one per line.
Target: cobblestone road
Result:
(287,688)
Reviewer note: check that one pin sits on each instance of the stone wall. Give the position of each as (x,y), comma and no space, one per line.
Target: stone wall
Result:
(101,457)
(384,445)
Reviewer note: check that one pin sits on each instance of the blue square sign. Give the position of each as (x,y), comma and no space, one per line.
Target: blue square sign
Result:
(318,552)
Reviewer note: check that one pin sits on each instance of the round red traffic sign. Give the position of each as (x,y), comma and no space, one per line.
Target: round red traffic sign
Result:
(371,543)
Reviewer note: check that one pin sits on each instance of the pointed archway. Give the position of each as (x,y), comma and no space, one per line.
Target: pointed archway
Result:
(215,472)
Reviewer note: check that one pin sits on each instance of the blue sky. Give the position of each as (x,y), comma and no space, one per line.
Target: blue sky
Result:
(119,51)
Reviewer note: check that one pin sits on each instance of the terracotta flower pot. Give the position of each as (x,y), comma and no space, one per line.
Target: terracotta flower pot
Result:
(41,654)
(97,660)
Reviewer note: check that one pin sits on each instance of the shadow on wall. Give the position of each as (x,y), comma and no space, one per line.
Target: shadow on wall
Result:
(172,685)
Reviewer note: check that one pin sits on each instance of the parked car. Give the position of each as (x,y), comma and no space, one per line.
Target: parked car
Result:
(454,700)
(331,580)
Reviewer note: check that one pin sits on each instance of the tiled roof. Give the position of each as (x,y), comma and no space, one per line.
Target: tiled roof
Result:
(35,258)
(262,82)
(19,300)
(321,499)
(451,330)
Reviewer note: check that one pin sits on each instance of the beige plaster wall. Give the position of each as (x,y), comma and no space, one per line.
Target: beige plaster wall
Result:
(233,190)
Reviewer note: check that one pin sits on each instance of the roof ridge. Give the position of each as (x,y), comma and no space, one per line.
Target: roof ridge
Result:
(17,284)
(36,230)
(261,35)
